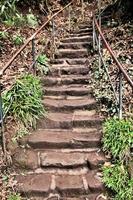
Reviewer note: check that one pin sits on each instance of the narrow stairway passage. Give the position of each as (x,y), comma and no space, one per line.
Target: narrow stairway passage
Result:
(62,158)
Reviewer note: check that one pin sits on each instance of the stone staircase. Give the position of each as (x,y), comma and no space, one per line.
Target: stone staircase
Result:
(62,158)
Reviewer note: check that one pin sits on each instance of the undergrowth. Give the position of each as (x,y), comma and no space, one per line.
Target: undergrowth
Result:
(116,177)
(118,138)
(23,100)
(118,142)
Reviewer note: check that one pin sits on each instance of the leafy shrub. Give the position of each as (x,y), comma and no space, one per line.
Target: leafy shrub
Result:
(20,134)
(43,65)
(14,197)
(7,8)
(23,100)
(118,137)
(18,39)
(32,20)
(3,35)
(117,179)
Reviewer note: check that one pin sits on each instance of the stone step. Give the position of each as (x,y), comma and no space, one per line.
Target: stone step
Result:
(65,80)
(77,39)
(65,185)
(97,196)
(78,45)
(73,90)
(60,105)
(66,139)
(58,70)
(83,31)
(81,34)
(85,26)
(74,61)
(59,120)
(57,160)
(71,53)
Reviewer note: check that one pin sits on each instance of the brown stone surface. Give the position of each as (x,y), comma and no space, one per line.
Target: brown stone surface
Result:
(34,184)
(72,53)
(77,39)
(94,182)
(71,160)
(86,119)
(74,90)
(66,70)
(70,185)
(69,104)
(78,45)
(25,159)
(64,139)
(65,79)
(56,120)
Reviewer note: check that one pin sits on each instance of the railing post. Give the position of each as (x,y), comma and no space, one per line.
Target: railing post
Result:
(69,17)
(53,38)
(82,11)
(99,37)
(2,126)
(120,95)
(94,36)
(33,55)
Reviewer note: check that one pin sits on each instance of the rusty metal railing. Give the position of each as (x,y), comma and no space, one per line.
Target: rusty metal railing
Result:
(99,42)
(31,40)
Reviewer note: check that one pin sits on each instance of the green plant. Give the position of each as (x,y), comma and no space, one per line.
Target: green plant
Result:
(118,137)
(43,65)
(3,35)
(23,131)
(23,100)
(18,39)
(14,197)
(8,8)
(116,178)
(32,20)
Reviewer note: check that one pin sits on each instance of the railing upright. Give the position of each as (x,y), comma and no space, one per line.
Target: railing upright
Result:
(99,37)
(33,55)
(120,95)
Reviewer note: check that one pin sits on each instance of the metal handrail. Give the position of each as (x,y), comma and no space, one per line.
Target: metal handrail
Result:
(7,65)
(97,40)
(31,39)
(128,79)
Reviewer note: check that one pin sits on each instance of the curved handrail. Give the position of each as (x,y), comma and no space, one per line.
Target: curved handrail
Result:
(128,79)
(30,39)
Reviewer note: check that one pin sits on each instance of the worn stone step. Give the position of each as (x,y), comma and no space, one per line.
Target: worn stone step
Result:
(85,25)
(78,45)
(97,196)
(67,61)
(60,105)
(66,139)
(86,119)
(83,31)
(69,120)
(65,185)
(65,80)
(57,159)
(70,160)
(71,53)
(81,34)
(73,90)
(58,70)
(77,39)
